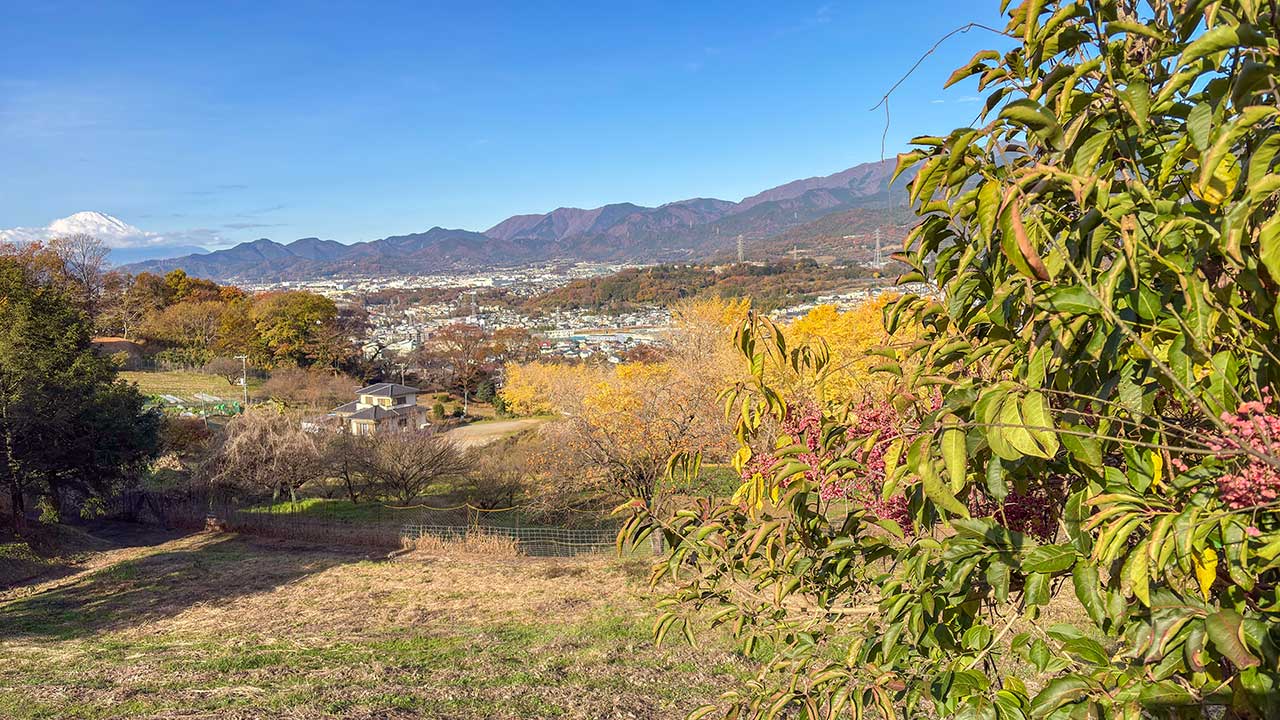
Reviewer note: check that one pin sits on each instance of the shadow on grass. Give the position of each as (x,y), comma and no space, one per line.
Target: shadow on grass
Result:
(211,569)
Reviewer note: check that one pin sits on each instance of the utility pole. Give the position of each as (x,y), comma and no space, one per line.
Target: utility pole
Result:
(244,379)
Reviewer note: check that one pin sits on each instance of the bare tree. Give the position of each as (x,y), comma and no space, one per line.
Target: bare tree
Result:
(266,449)
(227,368)
(347,457)
(404,464)
(309,387)
(498,473)
(468,352)
(85,258)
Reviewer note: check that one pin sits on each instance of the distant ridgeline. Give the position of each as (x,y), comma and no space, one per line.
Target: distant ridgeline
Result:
(833,217)
(770,286)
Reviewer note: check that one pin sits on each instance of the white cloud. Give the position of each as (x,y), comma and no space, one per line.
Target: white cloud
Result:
(112,231)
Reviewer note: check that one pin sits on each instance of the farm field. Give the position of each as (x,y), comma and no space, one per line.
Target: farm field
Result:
(183,384)
(219,625)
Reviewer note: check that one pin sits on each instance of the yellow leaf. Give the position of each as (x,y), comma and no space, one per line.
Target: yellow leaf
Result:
(1220,186)
(1206,569)
(1157,468)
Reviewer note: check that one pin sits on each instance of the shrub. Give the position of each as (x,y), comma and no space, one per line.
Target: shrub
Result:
(1085,419)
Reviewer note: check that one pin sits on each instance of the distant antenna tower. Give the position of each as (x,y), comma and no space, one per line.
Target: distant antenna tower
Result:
(879,254)
(742,249)
(795,254)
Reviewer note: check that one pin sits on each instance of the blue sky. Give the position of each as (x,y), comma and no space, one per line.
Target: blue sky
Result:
(229,121)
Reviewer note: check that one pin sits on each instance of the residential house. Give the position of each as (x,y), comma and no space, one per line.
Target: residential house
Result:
(384,407)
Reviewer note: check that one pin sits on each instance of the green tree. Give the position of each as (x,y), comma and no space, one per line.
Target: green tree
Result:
(297,328)
(1090,421)
(68,428)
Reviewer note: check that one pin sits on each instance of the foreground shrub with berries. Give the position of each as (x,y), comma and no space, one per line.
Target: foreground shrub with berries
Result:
(1085,422)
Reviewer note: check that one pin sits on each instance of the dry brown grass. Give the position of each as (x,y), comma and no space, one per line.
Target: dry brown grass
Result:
(221,625)
(475,543)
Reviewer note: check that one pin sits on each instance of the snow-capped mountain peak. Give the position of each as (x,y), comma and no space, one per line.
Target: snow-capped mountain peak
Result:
(100,225)
(127,242)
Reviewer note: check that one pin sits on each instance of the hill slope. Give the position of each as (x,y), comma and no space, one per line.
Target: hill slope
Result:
(692,229)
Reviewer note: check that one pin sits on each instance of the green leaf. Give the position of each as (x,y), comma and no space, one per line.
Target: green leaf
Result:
(1200,124)
(938,492)
(1039,420)
(1086,158)
(1083,448)
(1084,578)
(1216,40)
(1013,429)
(1135,572)
(1165,692)
(1260,160)
(1060,691)
(988,207)
(1072,299)
(1049,559)
(1224,631)
(1269,246)
(1137,100)
(997,488)
(954,456)
(1036,590)
(1039,121)
(1087,649)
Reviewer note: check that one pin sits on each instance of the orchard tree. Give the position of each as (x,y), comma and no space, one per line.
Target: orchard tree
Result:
(267,450)
(1089,419)
(404,464)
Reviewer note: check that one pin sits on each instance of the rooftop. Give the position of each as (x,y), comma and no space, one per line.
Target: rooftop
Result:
(388,390)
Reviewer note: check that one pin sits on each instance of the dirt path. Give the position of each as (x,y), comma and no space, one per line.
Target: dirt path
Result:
(478,434)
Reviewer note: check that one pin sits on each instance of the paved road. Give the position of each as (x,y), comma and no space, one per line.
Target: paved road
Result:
(478,434)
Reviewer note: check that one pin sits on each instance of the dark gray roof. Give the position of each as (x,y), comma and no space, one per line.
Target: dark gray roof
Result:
(376,413)
(388,390)
(346,409)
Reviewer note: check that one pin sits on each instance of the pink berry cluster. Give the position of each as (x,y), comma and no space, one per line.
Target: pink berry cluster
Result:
(870,418)
(1257,431)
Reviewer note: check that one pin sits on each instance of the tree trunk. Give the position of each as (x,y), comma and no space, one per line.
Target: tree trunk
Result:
(17,506)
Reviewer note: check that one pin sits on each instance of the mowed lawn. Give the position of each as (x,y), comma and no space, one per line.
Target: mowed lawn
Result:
(225,626)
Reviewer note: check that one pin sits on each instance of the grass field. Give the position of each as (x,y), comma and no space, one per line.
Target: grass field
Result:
(184,384)
(222,626)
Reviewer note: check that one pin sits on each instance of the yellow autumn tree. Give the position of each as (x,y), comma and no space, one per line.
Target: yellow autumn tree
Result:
(533,388)
(850,336)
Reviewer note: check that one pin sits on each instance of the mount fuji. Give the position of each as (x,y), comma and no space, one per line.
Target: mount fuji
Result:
(128,244)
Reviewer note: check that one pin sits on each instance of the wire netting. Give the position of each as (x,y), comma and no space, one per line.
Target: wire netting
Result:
(390,526)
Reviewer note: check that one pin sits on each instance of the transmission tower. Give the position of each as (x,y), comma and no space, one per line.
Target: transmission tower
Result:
(742,249)
(879,255)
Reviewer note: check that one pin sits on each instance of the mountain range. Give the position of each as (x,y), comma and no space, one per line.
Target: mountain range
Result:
(685,230)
